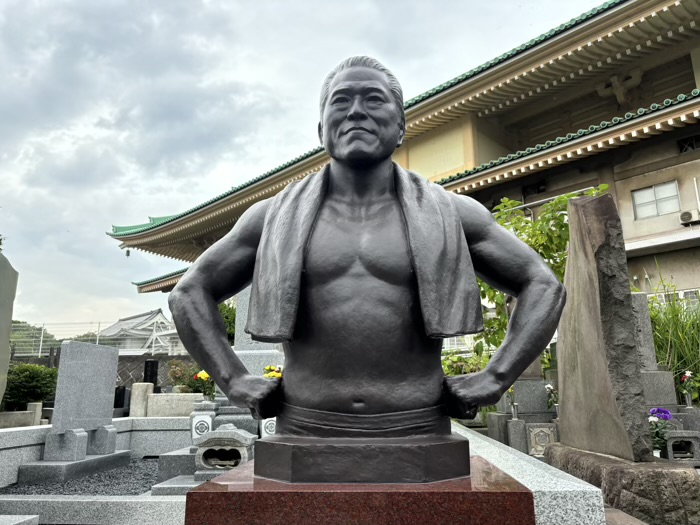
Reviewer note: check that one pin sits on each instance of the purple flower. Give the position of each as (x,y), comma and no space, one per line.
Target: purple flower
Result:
(661,413)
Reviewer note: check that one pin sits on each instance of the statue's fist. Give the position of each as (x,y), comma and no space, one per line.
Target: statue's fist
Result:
(465,394)
(261,395)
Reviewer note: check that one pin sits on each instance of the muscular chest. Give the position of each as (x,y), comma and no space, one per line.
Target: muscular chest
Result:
(347,241)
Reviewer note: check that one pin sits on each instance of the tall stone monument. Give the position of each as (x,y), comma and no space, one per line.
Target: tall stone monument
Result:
(8,287)
(602,402)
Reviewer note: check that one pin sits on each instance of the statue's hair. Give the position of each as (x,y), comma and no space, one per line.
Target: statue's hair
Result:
(363,61)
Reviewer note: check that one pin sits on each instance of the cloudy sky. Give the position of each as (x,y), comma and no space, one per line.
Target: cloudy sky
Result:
(111,111)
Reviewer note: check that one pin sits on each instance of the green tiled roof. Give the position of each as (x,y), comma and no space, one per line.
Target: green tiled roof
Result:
(571,136)
(513,52)
(529,151)
(161,278)
(122,231)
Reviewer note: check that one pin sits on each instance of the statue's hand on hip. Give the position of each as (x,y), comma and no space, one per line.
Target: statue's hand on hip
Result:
(466,393)
(261,395)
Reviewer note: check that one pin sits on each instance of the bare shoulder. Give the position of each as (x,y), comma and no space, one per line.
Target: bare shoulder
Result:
(477,221)
(249,226)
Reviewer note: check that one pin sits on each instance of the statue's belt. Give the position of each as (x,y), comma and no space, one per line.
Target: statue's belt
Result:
(294,420)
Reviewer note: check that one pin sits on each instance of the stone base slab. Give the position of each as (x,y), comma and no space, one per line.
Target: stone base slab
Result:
(560,499)
(176,463)
(355,460)
(485,498)
(177,486)
(658,493)
(19,520)
(59,471)
(99,510)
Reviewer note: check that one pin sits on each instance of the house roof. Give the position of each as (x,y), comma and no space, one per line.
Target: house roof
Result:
(131,323)
(155,222)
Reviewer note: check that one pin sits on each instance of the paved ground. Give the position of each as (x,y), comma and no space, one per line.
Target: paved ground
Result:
(136,478)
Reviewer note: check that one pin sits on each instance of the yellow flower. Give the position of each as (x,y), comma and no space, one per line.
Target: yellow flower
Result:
(202,375)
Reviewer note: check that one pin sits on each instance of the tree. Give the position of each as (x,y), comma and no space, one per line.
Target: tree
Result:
(1,239)
(25,338)
(547,234)
(228,314)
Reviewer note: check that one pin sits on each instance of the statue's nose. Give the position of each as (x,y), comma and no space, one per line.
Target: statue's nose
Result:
(357,110)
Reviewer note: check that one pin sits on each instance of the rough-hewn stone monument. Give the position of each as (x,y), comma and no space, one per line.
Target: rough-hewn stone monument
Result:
(8,287)
(602,403)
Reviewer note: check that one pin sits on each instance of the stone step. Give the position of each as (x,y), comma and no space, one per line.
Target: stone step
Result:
(177,486)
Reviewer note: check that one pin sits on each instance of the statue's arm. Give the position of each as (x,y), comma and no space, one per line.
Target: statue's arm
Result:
(508,264)
(219,273)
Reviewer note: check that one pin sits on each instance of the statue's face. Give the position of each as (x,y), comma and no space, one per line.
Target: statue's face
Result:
(361,123)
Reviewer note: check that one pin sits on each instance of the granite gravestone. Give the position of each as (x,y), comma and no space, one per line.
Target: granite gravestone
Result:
(360,271)
(8,287)
(82,439)
(84,403)
(602,403)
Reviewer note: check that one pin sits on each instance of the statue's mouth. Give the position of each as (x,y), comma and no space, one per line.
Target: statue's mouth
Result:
(357,128)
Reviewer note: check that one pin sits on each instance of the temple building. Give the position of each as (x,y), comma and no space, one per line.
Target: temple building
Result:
(610,97)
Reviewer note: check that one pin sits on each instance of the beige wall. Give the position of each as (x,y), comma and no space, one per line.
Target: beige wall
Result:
(680,268)
(439,152)
(682,173)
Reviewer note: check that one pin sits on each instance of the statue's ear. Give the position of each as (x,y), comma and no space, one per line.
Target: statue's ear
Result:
(402,132)
(320,133)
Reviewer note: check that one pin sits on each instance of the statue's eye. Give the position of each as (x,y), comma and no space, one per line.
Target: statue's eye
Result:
(375,99)
(340,100)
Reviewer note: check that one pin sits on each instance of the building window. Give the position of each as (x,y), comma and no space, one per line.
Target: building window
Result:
(656,200)
(689,144)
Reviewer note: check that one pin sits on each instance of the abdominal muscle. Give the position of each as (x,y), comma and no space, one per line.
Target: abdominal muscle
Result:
(360,347)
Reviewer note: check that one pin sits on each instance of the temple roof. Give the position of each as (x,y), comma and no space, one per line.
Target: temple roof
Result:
(490,100)
(134,325)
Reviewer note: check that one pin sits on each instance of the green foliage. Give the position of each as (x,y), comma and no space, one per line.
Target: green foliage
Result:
(454,363)
(547,234)
(1,239)
(676,327)
(186,376)
(29,384)
(228,314)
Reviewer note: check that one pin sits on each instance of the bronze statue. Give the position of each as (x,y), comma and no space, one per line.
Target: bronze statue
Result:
(360,271)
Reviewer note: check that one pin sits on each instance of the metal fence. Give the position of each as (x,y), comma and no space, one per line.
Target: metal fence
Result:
(45,339)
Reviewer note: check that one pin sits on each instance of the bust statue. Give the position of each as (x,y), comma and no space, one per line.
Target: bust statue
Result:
(360,271)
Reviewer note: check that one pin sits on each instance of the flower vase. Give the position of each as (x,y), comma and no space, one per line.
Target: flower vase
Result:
(688,400)
(556,409)
(514,410)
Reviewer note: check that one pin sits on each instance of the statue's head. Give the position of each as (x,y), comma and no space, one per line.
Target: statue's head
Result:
(362,116)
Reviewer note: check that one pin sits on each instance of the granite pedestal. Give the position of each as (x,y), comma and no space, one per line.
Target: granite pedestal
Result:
(346,460)
(485,498)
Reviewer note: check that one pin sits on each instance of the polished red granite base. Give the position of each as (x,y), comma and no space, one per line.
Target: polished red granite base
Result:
(487,497)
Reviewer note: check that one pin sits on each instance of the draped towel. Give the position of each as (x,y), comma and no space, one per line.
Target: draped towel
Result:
(447,290)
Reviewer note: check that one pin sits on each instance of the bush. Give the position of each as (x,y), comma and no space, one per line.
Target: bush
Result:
(29,384)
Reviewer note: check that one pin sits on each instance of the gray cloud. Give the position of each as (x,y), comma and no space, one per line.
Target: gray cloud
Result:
(114,110)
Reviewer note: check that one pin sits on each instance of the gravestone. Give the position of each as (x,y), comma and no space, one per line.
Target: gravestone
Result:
(82,439)
(658,385)
(8,279)
(602,402)
(150,371)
